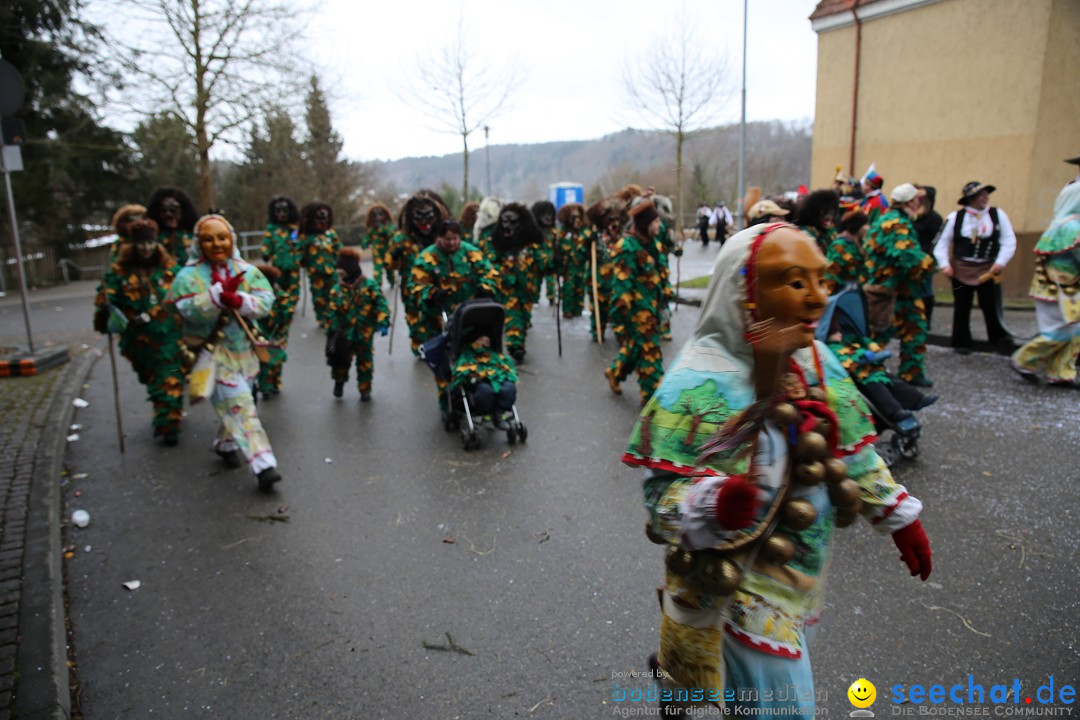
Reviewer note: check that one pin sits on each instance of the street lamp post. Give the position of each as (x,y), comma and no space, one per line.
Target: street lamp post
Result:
(742,130)
(487,159)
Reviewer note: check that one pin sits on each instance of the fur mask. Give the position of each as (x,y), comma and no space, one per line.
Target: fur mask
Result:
(487,214)
(291,213)
(515,229)
(310,215)
(188,213)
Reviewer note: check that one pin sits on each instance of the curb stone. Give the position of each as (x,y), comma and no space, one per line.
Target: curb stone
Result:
(41,690)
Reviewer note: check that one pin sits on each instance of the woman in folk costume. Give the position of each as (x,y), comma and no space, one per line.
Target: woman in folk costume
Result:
(1056,288)
(219,295)
(755,461)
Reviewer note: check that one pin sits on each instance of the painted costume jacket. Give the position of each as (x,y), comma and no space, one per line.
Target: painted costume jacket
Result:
(847,263)
(773,604)
(637,291)
(893,256)
(460,274)
(357,311)
(177,243)
(482,364)
(198,302)
(154,329)
(281,248)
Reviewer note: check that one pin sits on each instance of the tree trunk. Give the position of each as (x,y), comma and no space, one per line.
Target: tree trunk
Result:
(465,180)
(678,183)
(206,189)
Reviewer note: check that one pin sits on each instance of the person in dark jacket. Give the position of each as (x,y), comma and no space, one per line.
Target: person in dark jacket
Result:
(928,224)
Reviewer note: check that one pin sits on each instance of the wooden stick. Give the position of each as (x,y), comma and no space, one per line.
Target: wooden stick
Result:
(393,322)
(116,395)
(596,296)
(260,350)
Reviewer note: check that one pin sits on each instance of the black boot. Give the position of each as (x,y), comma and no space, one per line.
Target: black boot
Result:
(231,458)
(267,478)
(339,388)
(171,438)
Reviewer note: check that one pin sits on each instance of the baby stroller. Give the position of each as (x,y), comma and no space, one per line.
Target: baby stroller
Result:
(481,316)
(847,309)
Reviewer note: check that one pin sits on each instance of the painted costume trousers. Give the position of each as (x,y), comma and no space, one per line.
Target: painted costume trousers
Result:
(365,369)
(1054,350)
(321,279)
(240,427)
(909,324)
(161,374)
(277,327)
(518,320)
(574,287)
(639,353)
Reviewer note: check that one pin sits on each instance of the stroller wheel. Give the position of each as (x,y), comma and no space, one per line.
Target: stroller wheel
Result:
(522,432)
(511,434)
(907,447)
(889,452)
(469,439)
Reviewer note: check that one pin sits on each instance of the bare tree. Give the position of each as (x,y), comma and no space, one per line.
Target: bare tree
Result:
(211,63)
(459,93)
(679,85)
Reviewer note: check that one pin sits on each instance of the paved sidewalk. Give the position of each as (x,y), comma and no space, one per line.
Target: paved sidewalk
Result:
(35,413)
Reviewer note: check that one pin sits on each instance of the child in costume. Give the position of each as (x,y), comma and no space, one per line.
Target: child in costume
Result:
(760,447)
(219,294)
(132,305)
(357,310)
(488,378)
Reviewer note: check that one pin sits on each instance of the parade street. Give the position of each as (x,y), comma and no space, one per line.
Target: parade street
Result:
(394,575)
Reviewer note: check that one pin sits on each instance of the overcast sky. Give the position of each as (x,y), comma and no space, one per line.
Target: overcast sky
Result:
(571,51)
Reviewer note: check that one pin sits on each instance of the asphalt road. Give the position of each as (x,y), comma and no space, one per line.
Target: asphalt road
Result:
(386,539)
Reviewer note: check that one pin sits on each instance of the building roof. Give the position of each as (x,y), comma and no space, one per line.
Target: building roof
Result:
(826,8)
(831,14)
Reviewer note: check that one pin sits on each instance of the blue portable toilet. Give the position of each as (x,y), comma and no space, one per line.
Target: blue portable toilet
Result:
(563,193)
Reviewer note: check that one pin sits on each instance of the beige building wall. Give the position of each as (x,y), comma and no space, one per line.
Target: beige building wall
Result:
(959,90)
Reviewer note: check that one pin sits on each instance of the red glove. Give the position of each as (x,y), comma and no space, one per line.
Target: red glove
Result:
(231,300)
(914,548)
(230,284)
(737,503)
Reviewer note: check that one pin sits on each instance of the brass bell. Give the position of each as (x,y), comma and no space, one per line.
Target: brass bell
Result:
(810,473)
(824,427)
(844,518)
(653,536)
(835,470)
(778,549)
(816,393)
(811,446)
(784,414)
(717,575)
(679,561)
(844,494)
(799,514)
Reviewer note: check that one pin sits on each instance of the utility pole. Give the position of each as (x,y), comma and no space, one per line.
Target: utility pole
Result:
(742,129)
(487,160)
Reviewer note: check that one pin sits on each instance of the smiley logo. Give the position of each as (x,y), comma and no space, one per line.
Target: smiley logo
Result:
(862,693)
